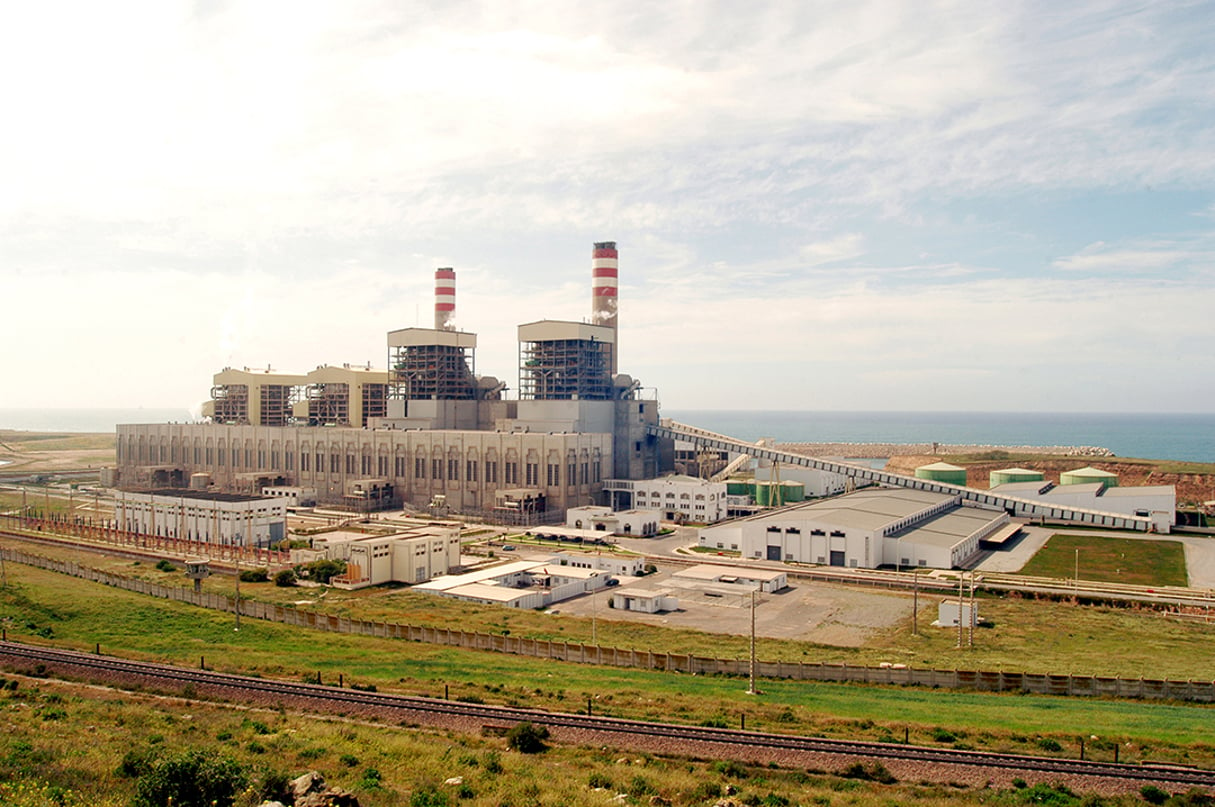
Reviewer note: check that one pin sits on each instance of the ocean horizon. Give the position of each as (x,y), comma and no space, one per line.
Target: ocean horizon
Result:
(1171,436)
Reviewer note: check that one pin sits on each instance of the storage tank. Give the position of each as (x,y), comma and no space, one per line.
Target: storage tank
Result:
(739,487)
(767,495)
(1003,477)
(1088,475)
(200,481)
(942,472)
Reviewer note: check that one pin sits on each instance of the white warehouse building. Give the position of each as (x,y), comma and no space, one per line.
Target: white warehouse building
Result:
(225,519)
(1159,502)
(866,529)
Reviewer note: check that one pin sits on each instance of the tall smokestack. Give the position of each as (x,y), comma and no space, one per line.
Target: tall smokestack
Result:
(604,271)
(445,299)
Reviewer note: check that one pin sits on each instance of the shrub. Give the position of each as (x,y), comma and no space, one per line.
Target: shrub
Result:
(371,779)
(943,735)
(322,571)
(705,791)
(255,575)
(1153,795)
(870,773)
(136,763)
(715,723)
(492,762)
(640,786)
(598,780)
(191,779)
(285,578)
(1047,744)
(730,768)
(349,760)
(527,738)
(275,786)
(164,566)
(428,796)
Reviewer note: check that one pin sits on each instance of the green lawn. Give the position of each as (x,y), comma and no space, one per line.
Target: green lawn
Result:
(1110,560)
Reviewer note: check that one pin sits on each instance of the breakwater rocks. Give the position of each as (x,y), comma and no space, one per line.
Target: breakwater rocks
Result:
(879,450)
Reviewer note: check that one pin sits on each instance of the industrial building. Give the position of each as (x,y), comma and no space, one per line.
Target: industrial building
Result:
(678,497)
(414,555)
(1155,502)
(429,431)
(866,529)
(534,583)
(636,523)
(210,517)
(767,580)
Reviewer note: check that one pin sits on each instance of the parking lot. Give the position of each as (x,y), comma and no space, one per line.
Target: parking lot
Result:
(815,612)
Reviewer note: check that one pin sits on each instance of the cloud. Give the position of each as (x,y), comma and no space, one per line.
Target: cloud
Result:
(1145,258)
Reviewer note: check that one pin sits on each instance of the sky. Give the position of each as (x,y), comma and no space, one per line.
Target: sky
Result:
(984,206)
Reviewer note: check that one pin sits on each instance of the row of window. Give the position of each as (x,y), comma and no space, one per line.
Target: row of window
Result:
(583,473)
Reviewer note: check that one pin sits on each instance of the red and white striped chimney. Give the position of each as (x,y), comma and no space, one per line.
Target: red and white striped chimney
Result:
(445,299)
(604,269)
(604,282)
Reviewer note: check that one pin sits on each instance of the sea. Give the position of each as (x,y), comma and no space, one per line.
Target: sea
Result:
(1189,437)
(1170,436)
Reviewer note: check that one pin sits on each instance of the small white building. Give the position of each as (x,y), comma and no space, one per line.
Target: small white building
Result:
(644,600)
(679,498)
(757,579)
(637,523)
(412,556)
(948,614)
(619,565)
(520,584)
(225,519)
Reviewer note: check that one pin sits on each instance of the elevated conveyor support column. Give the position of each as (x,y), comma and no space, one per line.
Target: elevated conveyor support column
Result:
(1022,508)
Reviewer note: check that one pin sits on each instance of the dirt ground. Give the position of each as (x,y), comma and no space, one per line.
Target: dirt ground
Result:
(1191,487)
(53,453)
(814,612)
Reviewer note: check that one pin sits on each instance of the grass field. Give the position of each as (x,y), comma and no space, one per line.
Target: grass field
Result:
(1110,560)
(44,607)
(66,744)
(1024,635)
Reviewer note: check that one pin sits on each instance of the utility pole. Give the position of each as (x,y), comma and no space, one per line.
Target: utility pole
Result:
(751,688)
(961,596)
(1076,577)
(970,627)
(915,602)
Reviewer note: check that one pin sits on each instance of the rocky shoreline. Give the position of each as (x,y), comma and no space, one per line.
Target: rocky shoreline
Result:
(885,450)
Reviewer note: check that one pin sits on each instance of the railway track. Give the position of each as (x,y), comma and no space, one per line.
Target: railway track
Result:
(688,740)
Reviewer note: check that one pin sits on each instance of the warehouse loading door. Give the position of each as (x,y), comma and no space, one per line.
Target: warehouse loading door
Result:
(774,553)
(837,558)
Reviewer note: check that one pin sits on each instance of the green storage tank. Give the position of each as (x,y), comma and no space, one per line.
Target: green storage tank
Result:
(1007,475)
(739,487)
(1088,475)
(942,472)
(766,495)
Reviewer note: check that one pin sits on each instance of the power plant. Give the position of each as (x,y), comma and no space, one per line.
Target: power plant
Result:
(430,431)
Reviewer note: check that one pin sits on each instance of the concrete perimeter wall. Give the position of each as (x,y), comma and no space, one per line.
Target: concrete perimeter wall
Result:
(1045,684)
